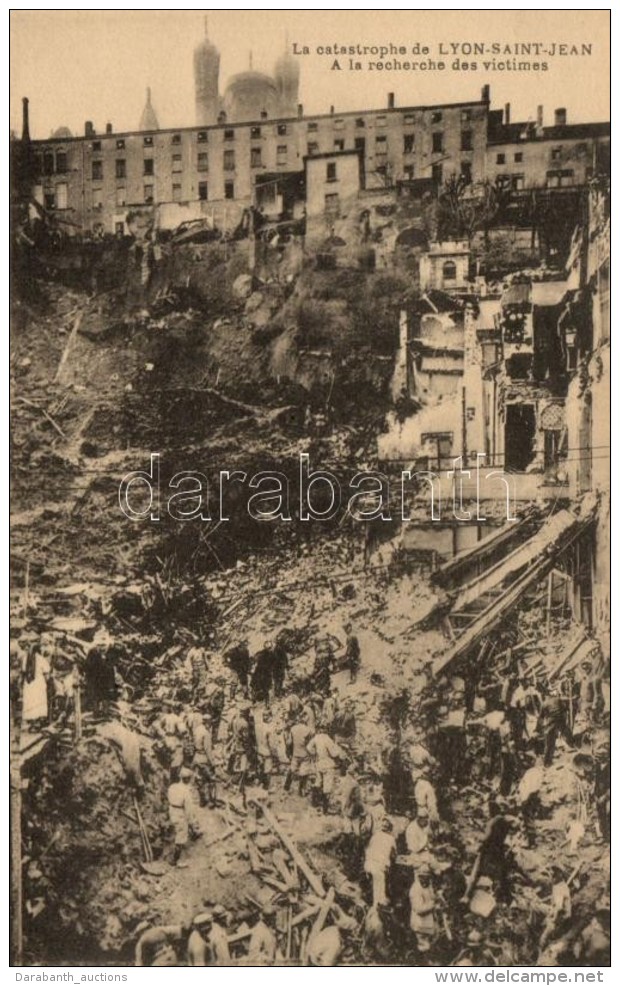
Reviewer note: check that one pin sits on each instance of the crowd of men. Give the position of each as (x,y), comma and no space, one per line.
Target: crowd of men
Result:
(494,732)
(487,737)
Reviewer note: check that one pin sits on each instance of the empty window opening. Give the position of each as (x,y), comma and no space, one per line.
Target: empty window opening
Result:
(519,436)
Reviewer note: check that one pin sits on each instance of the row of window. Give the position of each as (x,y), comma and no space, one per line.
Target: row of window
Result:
(281,129)
(555,179)
(202,137)
(202,163)
(57,198)
(556,155)
(501,158)
(256,158)
(56,163)
(381,121)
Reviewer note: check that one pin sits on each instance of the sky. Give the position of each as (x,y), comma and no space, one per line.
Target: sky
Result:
(95,65)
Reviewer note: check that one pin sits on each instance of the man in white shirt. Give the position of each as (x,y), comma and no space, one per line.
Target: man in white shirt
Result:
(328,945)
(380,853)
(263,947)
(300,767)
(266,749)
(182,814)
(418,831)
(424,794)
(326,753)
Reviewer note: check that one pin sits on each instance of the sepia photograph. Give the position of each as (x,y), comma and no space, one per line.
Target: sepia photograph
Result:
(310,490)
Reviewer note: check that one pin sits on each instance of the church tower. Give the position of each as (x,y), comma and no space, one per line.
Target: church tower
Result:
(286,74)
(206,81)
(148,120)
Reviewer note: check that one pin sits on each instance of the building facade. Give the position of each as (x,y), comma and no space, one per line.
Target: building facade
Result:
(256,129)
(94,180)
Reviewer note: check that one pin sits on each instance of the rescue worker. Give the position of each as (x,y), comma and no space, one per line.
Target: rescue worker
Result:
(422,901)
(351,804)
(182,814)
(324,664)
(171,728)
(344,723)
(560,909)
(215,703)
(161,946)
(380,854)
(198,947)
(424,794)
(263,946)
(417,832)
(197,668)
(127,743)
(266,748)
(203,762)
(299,736)
(326,755)
(554,722)
(325,948)
(239,661)
(240,749)
(351,659)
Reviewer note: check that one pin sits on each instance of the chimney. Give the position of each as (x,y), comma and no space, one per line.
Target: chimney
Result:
(331,110)
(486,94)
(539,117)
(89,130)
(390,100)
(507,114)
(560,117)
(300,110)
(25,119)
(108,128)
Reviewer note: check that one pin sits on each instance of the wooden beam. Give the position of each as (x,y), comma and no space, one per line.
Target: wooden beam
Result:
(288,843)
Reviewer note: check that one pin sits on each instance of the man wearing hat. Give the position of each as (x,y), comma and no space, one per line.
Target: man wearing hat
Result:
(424,794)
(203,762)
(422,901)
(240,746)
(171,728)
(215,702)
(266,748)
(198,944)
(417,832)
(298,737)
(220,953)
(182,813)
(263,944)
(326,753)
(380,854)
(324,663)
